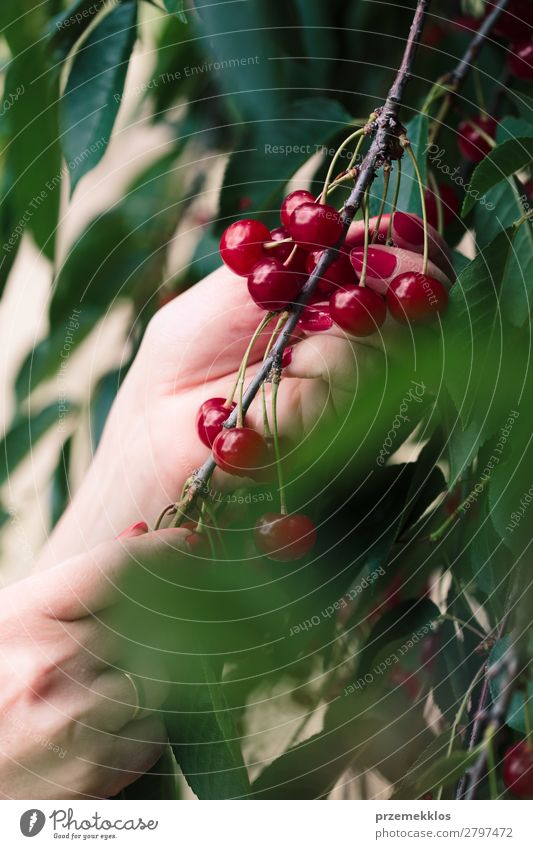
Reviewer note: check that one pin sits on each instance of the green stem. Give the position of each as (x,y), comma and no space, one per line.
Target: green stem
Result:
(335,160)
(491,763)
(527,719)
(524,218)
(281,321)
(275,386)
(366,207)
(386,180)
(395,200)
(422,189)
(244,364)
(479,92)
(438,200)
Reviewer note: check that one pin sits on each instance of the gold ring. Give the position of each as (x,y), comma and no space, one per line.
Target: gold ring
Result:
(137,707)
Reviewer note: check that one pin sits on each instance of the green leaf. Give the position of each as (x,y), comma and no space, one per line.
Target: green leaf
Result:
(445,771)
(61,491)
(516,714)
(24,434)
(176,7)
(273,151)
(513,128)
(94,89)
(205,742)
(69,26)
(503,161)
(438,747)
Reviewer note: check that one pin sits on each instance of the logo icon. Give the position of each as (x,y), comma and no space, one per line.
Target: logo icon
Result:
(32,822)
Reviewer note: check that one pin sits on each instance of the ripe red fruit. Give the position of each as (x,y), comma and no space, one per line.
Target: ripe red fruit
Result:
(449,202)
(272,286)
(210,418)
(284,538)
(471,144)
(520,60)
(339,273)
(241,245)
(283,251)
(518,770)
(415,297)
(358,310)
(516,22)
(315,225)
(241,451)
(291,202)
(316,317)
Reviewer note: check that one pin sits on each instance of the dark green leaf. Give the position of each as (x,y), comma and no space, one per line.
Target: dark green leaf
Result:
(61,491)
(24,434)
(515,715)
(176,7)
(503,161)
(69,26)
(94,90)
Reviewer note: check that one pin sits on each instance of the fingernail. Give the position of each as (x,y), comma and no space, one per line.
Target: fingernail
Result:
(286,358)
(381,263)
(135,530)
(409,227)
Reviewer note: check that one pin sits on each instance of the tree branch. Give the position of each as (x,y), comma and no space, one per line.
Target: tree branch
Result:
(384,147)
(460,72)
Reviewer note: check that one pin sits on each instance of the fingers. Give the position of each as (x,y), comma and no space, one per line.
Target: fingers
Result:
(385,263)
(91,582)
(407,233)
(332,357)
(113,699)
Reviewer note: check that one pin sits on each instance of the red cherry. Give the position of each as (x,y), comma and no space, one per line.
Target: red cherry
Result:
(284,538)
(449,202)
(283,251)
(272,286)
(520,60)
(415,297)
(210,418)
(339,273)
(241,245)
(471,144)
(315,225)
(358,310)
(518,770)
(241,451)
(516,22)
(291,202)
(315,318)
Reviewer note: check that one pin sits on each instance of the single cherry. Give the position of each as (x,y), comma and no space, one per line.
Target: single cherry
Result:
(314,225)
(210,418)
(518,770)
(291,202)
(415,297)
(272,286)
(520,60)
(283,252)
(471,144)
(449,203)
(241,451)
(241,245)
(285,538)
(358,310)
(339,273)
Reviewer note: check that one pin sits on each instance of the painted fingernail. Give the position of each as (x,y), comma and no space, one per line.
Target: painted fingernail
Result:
(381,263)
(409,227)
(286,358)
(135,530)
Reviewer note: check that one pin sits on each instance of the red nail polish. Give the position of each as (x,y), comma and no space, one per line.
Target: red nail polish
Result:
(381,263)
(136,529)
(286,358)
(409,228)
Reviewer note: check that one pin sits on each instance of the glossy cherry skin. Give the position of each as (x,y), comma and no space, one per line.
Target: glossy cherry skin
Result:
(241,245)
(282,252)
(416,297)
(357,310)
(315,225)
(471,144)
(339,273)
(210,418)
(284,538)
(291,202)
(518,770)
(520,60)
(272,286)
(241,451)
(449,203)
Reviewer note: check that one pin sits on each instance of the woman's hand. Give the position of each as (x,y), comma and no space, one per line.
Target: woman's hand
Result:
(191,352)
(67,710)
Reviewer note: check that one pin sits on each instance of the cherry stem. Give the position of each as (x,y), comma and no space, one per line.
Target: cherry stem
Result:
(281,321)
(270,245)
(407,145)
(386,180)
(162,515)
(334,161)
(395,200)
(241,374)
(438,200)
(362,279)
(437,535)
(290,257)
(386,129)
(491,762)
(276,380)
(524,218)
(481,133)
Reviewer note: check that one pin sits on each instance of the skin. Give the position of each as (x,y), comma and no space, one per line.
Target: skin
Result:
(58,653)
